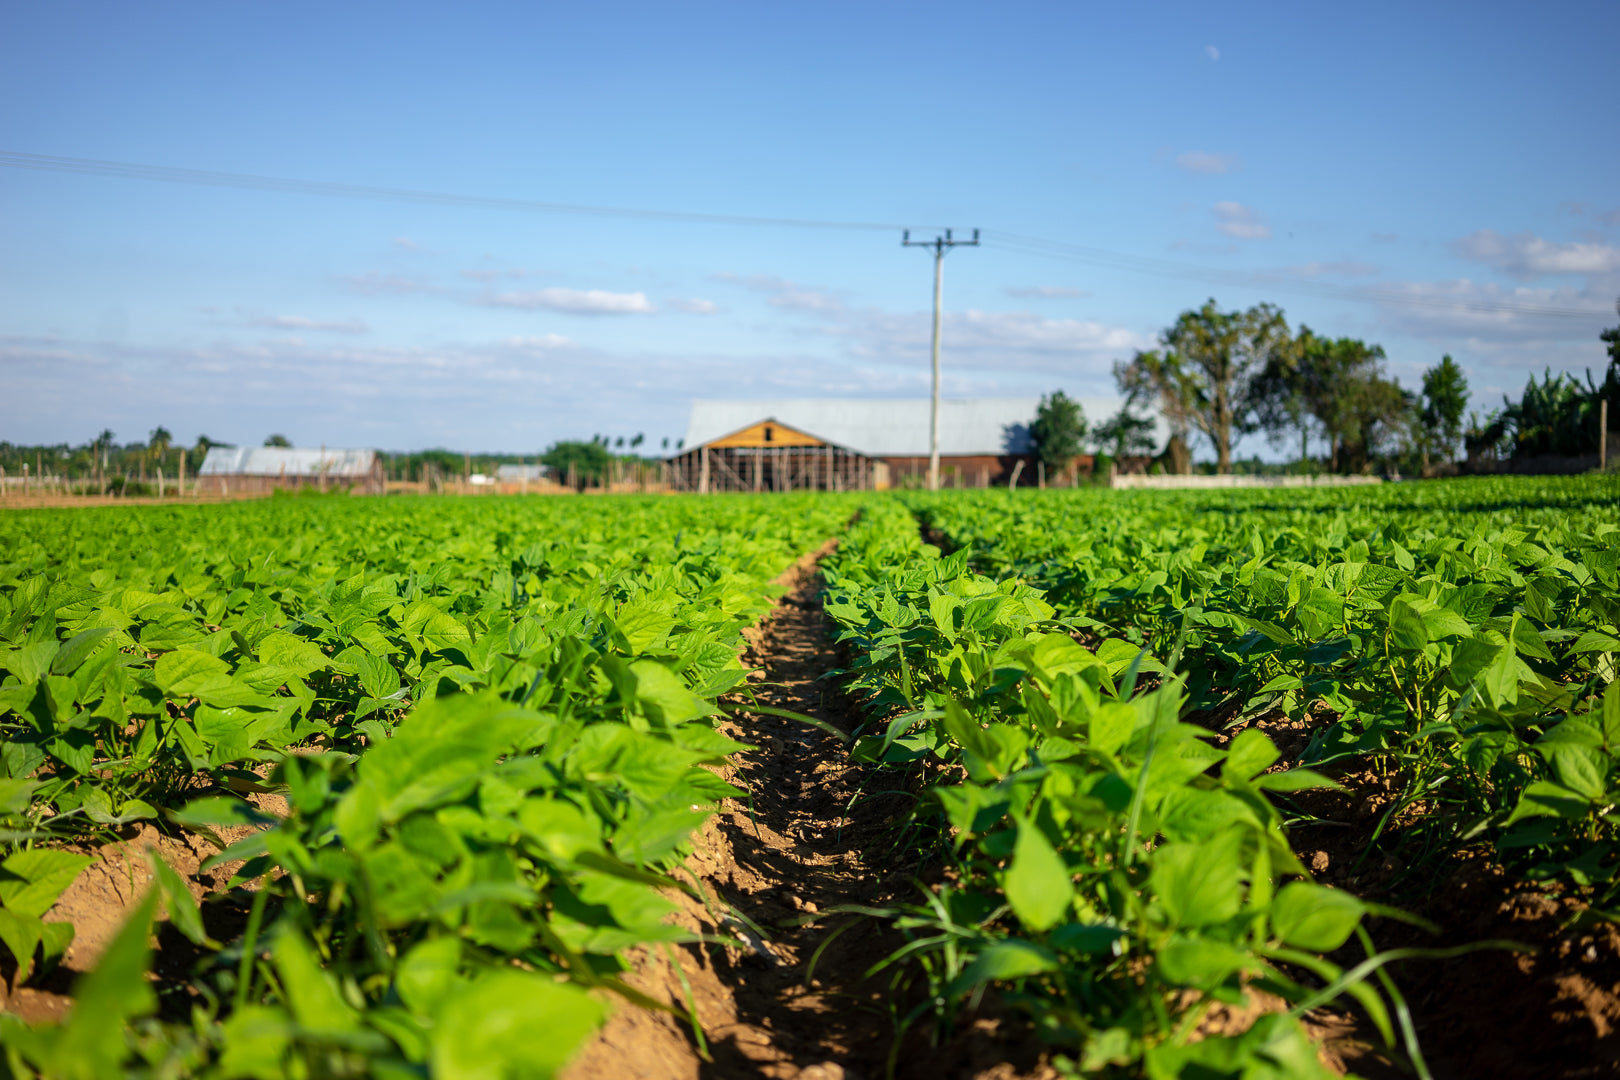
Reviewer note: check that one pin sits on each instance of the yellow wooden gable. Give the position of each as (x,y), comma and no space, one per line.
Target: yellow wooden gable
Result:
(767,433)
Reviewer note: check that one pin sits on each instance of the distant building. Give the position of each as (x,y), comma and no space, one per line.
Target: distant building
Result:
(849,443)
(231,470)
(516,474)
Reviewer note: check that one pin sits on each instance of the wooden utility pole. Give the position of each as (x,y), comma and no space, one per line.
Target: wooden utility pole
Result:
(941,245)
(1603,435)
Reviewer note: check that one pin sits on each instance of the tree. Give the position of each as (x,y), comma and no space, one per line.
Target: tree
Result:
(159,442)
(1204,373)
(277,440)
(1445,396)
(1337,386)
(1058,429)
(587,460)
(1124,434)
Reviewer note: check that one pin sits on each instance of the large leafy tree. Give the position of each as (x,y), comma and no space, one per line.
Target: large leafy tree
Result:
(1125,433)
(1203,376)
(1058,430)
(1335,385)
(588,460)
(1445,398)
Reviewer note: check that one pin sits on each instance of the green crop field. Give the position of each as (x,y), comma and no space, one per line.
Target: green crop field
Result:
(454,750)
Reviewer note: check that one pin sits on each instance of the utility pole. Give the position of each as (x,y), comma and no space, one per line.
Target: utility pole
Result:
(941,245)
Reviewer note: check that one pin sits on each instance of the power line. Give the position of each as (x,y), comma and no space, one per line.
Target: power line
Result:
(1057,249)
(168,174)
(1006,241)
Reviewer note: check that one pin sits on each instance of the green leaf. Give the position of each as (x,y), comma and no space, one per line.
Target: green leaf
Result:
(77,649)
(93,1037)
(21,934)
(311,993)
(663,696)
(1596,641)
(184,914)
(1037,884)
(1314,917)
(492,1028)
(1528,642)
(1010,958)
(1406,628)
(1201,962)
(1546,799)
(292,652)
(1252,752)
(1199,884)
(178,672)
(967,732)
(30,881)
(427,974)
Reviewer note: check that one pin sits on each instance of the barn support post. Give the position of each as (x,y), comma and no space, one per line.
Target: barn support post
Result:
(703,467)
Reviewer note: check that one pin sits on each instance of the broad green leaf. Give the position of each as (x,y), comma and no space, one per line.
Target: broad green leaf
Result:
(30,881)
(1038,884)
(491,1028)
(1314,917)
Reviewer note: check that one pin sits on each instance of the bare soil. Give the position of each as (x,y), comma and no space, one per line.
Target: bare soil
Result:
(781,860)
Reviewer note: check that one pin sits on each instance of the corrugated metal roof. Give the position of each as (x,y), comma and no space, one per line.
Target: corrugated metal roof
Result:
(286,461)
(515,473)
(890,428)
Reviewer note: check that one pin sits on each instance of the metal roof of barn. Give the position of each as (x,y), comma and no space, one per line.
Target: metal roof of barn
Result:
(894,428)
(286,461)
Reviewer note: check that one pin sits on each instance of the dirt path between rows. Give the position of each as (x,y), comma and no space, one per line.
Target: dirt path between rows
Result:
(798,850)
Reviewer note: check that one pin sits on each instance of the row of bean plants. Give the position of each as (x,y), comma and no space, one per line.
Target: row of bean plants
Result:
(1458,637)
(487,719)
(1110,869)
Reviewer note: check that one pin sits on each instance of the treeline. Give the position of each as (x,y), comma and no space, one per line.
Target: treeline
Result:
(1225,374)
(105,461)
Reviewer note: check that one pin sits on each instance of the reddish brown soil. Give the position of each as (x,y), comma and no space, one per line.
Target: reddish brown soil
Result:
(795,850)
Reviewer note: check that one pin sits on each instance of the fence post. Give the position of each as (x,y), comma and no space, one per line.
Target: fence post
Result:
(1603,435)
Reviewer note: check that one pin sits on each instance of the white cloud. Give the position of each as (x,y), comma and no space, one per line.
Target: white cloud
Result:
(299,322)
(1047,292)
(575,301)
(694,306)
(1199,161)
(375,284)
(1235,219)
(539,341)
(1212,52)
(1491,317)
(407,243)
(788,295)
(1528,256)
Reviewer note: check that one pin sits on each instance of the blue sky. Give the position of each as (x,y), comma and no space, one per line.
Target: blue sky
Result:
(1373,170)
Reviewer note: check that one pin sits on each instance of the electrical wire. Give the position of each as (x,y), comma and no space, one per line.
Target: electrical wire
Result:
(1007,241)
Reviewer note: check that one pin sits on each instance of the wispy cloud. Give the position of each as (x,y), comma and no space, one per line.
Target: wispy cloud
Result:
(1047,292)
(1212,52)
(694,306)
(1199,161)
(375,284)
(406,243)
(1235,219)
(1529,256)
(788,295)
(543,342)
(299,322)
(575,301)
